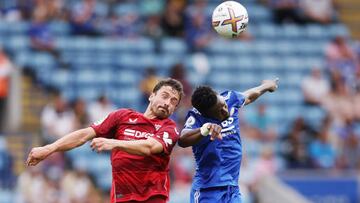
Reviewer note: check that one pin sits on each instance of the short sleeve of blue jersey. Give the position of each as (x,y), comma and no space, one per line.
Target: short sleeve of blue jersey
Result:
(193,120)
(233,98)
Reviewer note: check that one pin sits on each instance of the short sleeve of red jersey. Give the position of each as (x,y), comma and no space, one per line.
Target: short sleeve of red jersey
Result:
(167,136)
(107,126)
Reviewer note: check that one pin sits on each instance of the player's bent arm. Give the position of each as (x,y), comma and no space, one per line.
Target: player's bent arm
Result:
(252,94)
(73,140)
(141,147)
(137,147)
(68,142)
(189,137)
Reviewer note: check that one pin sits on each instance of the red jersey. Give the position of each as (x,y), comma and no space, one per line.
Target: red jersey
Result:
(138,177)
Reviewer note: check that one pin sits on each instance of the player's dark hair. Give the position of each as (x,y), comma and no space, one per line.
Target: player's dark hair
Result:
(175,84)
(203,98)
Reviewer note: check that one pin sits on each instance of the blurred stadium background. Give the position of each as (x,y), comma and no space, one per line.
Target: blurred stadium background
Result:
(66,63)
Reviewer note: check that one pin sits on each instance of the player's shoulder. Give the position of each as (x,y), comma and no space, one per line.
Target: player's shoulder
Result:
(229,94)
(125,112)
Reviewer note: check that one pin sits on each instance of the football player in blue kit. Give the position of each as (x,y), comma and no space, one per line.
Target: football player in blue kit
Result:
(212,129)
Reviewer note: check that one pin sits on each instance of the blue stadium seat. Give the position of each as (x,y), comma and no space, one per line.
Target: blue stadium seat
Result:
(166,60)
(313,115)
(315,32)
(13,28)
(60,78)
(264,47)
(258,13)
(126,77)
(284,48)
(290,31)
(136,61)
(266,31)
(126,97)
(139,44)
(93,76)
(17,43)
(173,46)
(310,47)
(59,28)
(338,30)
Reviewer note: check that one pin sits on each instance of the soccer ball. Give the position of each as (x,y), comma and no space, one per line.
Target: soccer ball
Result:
(229,19)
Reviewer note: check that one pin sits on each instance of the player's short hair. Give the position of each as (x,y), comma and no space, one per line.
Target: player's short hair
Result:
(203,98)
(175,84)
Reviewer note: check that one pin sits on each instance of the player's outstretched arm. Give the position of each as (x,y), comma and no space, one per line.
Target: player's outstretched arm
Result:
(190,137)
(68,142)
(136,147)
(266,86)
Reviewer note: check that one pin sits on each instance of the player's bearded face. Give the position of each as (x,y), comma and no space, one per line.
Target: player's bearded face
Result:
(164,102)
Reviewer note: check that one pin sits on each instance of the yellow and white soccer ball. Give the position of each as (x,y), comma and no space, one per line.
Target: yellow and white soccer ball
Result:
(229,19)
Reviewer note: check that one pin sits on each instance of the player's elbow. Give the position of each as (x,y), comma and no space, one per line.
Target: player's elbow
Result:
(145,152)
(151,148)
(183,143)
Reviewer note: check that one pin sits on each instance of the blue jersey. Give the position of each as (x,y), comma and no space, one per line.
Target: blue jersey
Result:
(218,162)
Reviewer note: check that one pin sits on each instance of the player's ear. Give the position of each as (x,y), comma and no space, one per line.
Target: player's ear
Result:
(151,96)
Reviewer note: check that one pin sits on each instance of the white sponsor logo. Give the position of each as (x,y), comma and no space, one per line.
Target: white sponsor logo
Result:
(190,121)
(176,131)
(138,134)
(132,120)
(227,96)
(157,127)
(166,139)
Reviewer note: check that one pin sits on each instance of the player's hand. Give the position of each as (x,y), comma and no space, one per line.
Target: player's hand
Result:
(214,131)
(38,154)
(102,144)
(271,85)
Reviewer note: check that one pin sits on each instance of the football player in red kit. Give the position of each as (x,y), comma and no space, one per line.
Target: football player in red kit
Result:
(140,146)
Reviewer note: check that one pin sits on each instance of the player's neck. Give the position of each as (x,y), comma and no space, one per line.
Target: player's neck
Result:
(149,114)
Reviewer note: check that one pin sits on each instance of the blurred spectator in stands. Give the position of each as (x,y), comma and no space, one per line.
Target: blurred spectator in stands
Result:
(84,19)
(151,7)
(351,150)
(152,27)
(7,177)
(42,39)
(78,187)
(295,144)
(126,23)
(285,11)
(198,32)
(5,71)
(266,164)
(51,10)
(338,103)
(356,98)
(261,122)
(100,109)
(182,166)
(341,57)
(147,85)
(318,11)
(173,19)
(314,87)
(178,72)
(32,186)
(57,119)
(322,153)
(12,14)
(81,114)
